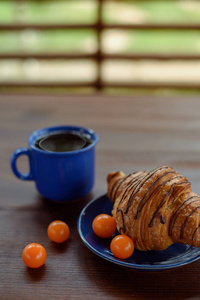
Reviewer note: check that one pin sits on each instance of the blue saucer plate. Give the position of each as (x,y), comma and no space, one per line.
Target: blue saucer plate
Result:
(175,256)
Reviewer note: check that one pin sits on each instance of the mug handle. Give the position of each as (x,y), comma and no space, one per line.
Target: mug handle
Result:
(14,157)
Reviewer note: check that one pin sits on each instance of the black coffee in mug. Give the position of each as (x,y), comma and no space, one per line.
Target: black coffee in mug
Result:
(63,141)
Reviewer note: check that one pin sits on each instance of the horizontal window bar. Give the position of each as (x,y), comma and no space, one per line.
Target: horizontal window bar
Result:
(148,85)
(47,84)
(99,55)
(149,56)
(16,27)
(36,26)
(156,26)
(135,85)
(47,56)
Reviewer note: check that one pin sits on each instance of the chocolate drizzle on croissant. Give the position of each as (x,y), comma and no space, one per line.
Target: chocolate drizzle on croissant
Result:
(155,208)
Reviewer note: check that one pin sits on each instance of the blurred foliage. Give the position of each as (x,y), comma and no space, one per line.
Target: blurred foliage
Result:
(86,11)
(73,11)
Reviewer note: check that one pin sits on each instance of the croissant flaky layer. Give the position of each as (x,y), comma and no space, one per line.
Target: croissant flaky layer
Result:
(155,208)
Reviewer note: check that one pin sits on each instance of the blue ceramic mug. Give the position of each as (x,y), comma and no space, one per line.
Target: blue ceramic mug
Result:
(60,176)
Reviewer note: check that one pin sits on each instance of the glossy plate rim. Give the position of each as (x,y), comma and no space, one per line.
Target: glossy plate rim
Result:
(126,263)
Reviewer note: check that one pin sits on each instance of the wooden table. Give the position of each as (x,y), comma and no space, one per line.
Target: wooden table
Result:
(135,133)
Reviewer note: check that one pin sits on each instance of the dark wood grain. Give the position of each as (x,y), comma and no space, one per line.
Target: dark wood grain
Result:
(135,133)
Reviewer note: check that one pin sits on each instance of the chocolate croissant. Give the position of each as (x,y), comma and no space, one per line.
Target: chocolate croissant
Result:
(155,209)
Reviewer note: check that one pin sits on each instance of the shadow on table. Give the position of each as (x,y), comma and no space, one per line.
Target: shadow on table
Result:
(37,274)
(65,210)
(122,282)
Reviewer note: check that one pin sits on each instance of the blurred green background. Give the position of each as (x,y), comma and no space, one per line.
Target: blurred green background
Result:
(113,41)
(85,11)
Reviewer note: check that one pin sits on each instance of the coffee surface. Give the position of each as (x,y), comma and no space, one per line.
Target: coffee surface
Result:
(63,141)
